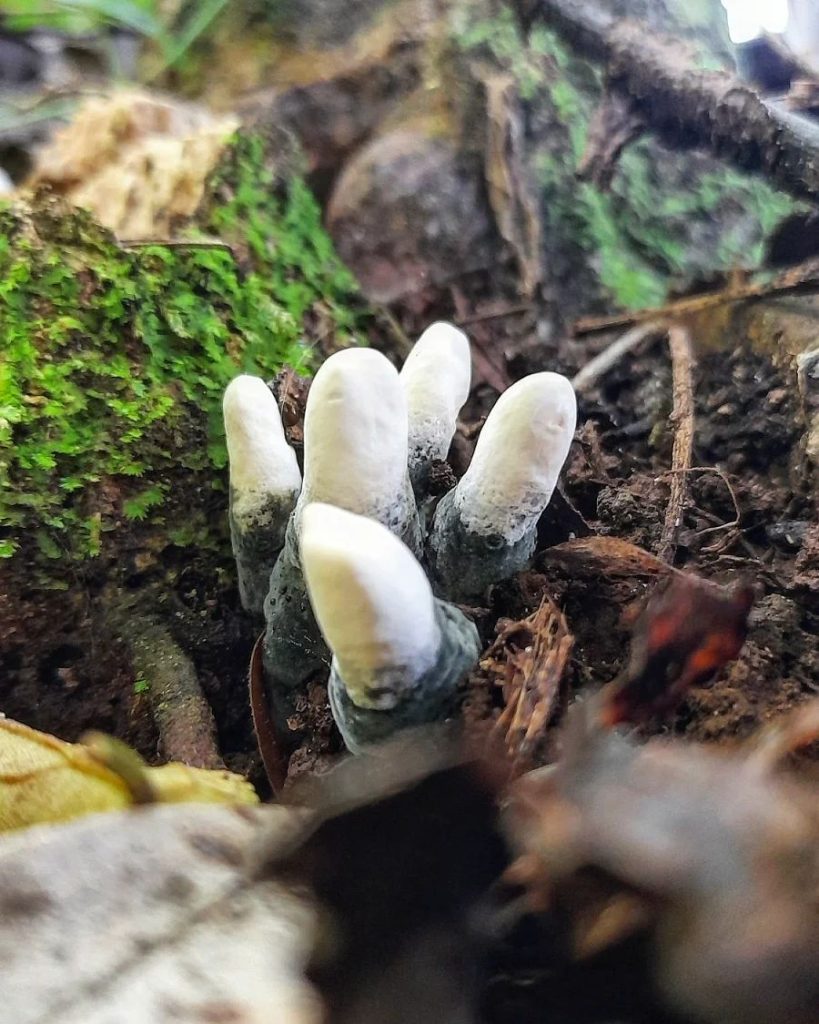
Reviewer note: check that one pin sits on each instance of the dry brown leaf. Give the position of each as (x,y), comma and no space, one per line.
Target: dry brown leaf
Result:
(608,556)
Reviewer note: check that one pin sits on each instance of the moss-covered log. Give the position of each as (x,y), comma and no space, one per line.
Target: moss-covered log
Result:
(115,359)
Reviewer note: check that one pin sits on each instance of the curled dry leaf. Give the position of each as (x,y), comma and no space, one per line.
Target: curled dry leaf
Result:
(528,661)
(45,780)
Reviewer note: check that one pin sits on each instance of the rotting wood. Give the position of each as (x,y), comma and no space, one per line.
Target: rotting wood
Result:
(708,108)
(187,730)
(682,417)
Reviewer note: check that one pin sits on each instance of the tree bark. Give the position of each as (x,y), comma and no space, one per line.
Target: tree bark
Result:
(702,107)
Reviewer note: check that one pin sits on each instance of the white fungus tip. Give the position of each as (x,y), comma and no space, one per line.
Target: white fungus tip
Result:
(372,601)
(262,463)
(436,378)
(518,457)
(355,435)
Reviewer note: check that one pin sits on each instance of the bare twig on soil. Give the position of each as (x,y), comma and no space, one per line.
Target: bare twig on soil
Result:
(494,314)
(719,527)
(187,731)
(804,277)
(403,344)
(709,108)
(682,416)
(610,356)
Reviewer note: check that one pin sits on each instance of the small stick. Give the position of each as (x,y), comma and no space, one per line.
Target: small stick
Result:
(498,314)
(794,279)
(187,730)
(682,416)
(174,243)
(717,472)
(403,342)
(605,360)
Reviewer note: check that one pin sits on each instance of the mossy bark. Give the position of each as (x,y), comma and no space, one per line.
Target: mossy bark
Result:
(667,218)
(115,359)
(113,476)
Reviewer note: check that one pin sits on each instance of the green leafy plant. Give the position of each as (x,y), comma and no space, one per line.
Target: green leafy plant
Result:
(142,17)
(141,685)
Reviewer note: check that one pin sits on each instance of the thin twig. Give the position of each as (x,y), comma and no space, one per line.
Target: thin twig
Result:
(605,360)
(499,314)
(682,416)
(717,472)
(403,342)
(804,277)
(175,243)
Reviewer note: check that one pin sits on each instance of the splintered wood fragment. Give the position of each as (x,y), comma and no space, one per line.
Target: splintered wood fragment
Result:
(682,417)
(606,556)
(528,660)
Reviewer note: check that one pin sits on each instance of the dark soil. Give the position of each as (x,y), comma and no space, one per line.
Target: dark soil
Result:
(64,668)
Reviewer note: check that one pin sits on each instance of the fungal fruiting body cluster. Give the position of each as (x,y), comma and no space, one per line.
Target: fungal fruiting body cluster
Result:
(335,561)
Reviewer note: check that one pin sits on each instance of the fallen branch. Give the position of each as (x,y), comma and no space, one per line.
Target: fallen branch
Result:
(682,416)
(707,108)
(804,277)
(187,731)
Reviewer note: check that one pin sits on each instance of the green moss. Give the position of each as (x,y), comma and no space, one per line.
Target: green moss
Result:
(114,362)
(657,226)
(499,39)
(632,282)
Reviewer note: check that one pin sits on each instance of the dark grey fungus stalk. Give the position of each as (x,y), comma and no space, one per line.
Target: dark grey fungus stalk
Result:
(485,528)
(355,457)
(264,484)
(398,652)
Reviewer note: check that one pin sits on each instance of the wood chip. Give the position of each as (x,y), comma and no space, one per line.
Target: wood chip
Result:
(528,661)
(607,556)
